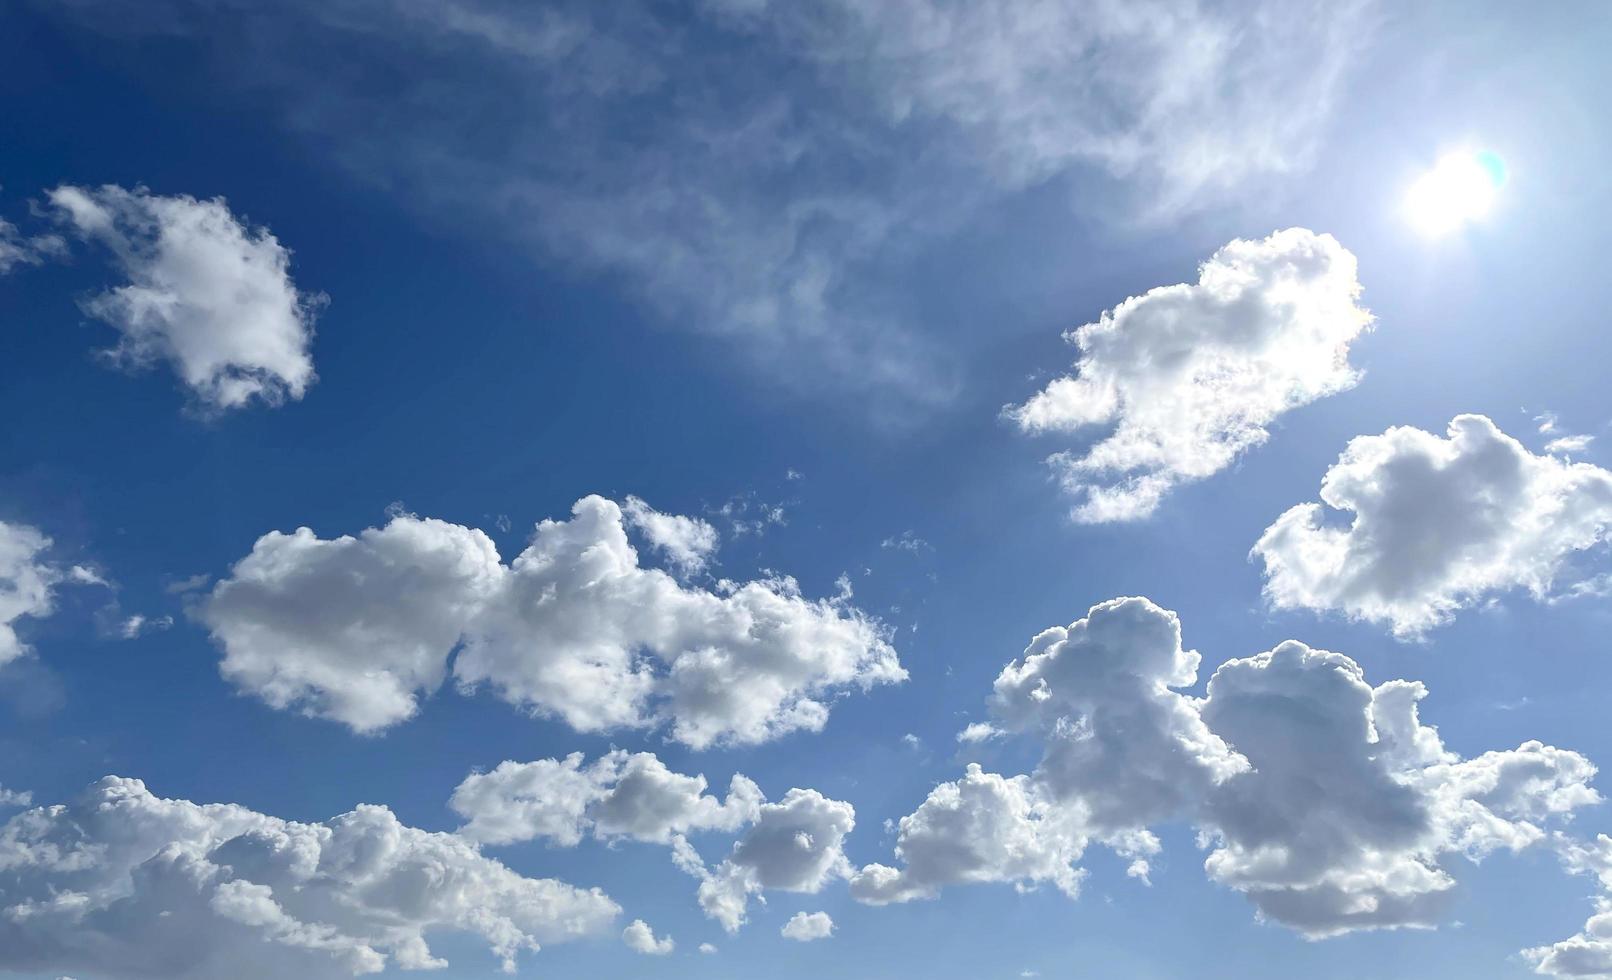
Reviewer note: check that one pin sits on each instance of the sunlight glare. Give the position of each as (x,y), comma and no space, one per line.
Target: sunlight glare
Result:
(1459,190)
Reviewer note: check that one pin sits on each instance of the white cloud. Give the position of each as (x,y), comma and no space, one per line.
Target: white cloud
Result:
(687,542)
(981,828)
(620,795)
(805,927)
(794,845)
(18,249)
(1192,375)
(15,797)
(121,883)
(1323,799)
(906,541)
(1437,525)
(355,629)
(133,627)
(764,197)
(26,581)
(979,731)
(641,939)
(707,948)
(1115,735)
(206,294)
(1569,444)
(1588,954)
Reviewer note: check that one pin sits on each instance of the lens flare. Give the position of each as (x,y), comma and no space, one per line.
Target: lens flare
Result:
(1459,190)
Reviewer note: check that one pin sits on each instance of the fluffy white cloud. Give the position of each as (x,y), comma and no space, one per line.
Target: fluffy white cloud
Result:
(15,797)
(794,845)
(1114,733)
(1323,799)
(1191,375)
(26,581)
(355,629)
(620,795)
(122,883)
(687,542)
(1437,524)
(641,939)
(983,827)
(1351,804)
(804,927)
(209,296)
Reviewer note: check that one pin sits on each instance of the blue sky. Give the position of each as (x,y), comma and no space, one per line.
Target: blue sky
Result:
(779,270)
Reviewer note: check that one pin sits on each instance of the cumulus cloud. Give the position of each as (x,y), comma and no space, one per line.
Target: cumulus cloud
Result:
(641,939)
(122,883)
(356,629)
(206,294)
(981,828)
(765,196)
(1191,376)
(804,927)
(621,794)
(1437,525)
(794,845)
(1323,799)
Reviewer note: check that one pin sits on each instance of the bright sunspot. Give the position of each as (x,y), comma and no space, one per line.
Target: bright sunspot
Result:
(1459,190)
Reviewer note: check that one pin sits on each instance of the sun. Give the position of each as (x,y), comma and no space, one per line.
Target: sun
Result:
(1459,190)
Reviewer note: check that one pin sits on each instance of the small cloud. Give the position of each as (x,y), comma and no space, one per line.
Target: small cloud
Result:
(707,948)
(1569,444)
(191,584)
(907,541)
(912,741)
(805,927)
(80,575)
(641,939)
(15,797)
(979,731)
(137,624)
(793,475)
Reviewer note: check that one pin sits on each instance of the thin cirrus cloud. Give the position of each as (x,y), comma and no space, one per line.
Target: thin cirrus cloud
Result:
(766,196)
(122,883)
(1191,376)
(206,295)
(793,845)
(357,629)
(1273,766)
(1437,524)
